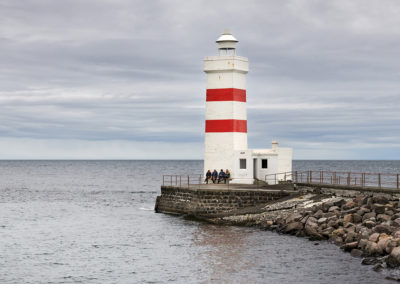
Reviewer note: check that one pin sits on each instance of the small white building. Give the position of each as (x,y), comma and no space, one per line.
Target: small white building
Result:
(226,121)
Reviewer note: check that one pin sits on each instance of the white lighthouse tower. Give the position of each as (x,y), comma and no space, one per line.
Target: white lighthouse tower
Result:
(226,121)
(226,118)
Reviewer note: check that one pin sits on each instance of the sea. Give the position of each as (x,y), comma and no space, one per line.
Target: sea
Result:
(94,222)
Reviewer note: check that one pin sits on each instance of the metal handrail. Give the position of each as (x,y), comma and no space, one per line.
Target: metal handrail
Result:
(359,179)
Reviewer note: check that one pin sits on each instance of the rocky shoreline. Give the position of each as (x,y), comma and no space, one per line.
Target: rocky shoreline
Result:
(364,224)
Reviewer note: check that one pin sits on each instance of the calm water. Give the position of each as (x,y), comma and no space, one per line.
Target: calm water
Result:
(93,222)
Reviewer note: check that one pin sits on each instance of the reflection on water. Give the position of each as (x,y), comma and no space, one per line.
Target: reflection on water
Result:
(223,251)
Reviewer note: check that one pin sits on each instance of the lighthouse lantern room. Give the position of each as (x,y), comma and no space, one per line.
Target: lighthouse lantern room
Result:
(226,120)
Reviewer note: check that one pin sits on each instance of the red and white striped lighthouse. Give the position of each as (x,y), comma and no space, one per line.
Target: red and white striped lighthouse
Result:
(226,119)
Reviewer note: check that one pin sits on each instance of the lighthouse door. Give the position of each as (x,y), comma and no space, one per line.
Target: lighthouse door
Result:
(255,168)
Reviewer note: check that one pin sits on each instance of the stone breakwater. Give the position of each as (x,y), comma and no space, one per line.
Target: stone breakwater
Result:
(363,224)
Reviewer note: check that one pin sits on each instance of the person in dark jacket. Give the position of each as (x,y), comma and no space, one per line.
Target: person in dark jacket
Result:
(221,176)
(214,176)
(208,176)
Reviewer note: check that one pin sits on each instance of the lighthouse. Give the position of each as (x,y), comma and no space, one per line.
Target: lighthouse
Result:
(226,119)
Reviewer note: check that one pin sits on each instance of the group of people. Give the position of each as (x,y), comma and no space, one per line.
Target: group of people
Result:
(217,177)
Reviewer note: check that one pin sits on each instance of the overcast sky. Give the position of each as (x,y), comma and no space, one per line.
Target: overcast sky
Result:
(124,79)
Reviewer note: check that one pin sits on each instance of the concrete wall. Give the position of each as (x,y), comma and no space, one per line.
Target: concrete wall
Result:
(208,202)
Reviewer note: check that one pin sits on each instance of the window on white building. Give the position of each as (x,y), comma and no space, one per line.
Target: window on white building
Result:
(264,163)
(242,164)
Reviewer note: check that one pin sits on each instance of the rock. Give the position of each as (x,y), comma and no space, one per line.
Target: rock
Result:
(383,243)
(319,214)
(369,215)
(395,216)
(326,206)
(357,218)
(362,243)
(379,208)
(327,232)
(337,240)
(350,246)
(396,222)
(333,209)
(382,228)
(383,218)
(396,234)
(370,261)
(380,199)
(378,267)
(293,218)
(350,237)
(356,252)
(372,249)
(374,237)
(348,218)
(338,232)
(394,258)
(364,233)
(313,234)
(311,221)
(293,227)
(390,245)
(389,212)
(339,203)
(321,220)
(369,224)
(350,204)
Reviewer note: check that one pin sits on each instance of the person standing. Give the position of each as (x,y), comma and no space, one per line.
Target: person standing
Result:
(227,175)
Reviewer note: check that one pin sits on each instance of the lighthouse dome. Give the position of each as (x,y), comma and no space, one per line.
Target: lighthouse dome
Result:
(227,41)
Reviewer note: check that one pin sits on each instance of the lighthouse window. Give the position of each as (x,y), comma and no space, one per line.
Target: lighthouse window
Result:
(242,164)
(264,163)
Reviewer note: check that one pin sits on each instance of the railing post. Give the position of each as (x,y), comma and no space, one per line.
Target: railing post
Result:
(180,181)
(379,180)
(163,179)
(275,178)
(397,181)
(348,179)
(176,180)
(310,176)
(296,176)
(322,177)
(188,181)
(171,180)
(285,177)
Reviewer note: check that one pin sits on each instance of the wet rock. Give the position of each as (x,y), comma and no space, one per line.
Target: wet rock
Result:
(378,267)
(327,232)
(370,261)
(356,252)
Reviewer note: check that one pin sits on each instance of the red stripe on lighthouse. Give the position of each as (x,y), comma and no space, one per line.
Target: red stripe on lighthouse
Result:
(229,94)
(226,125)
